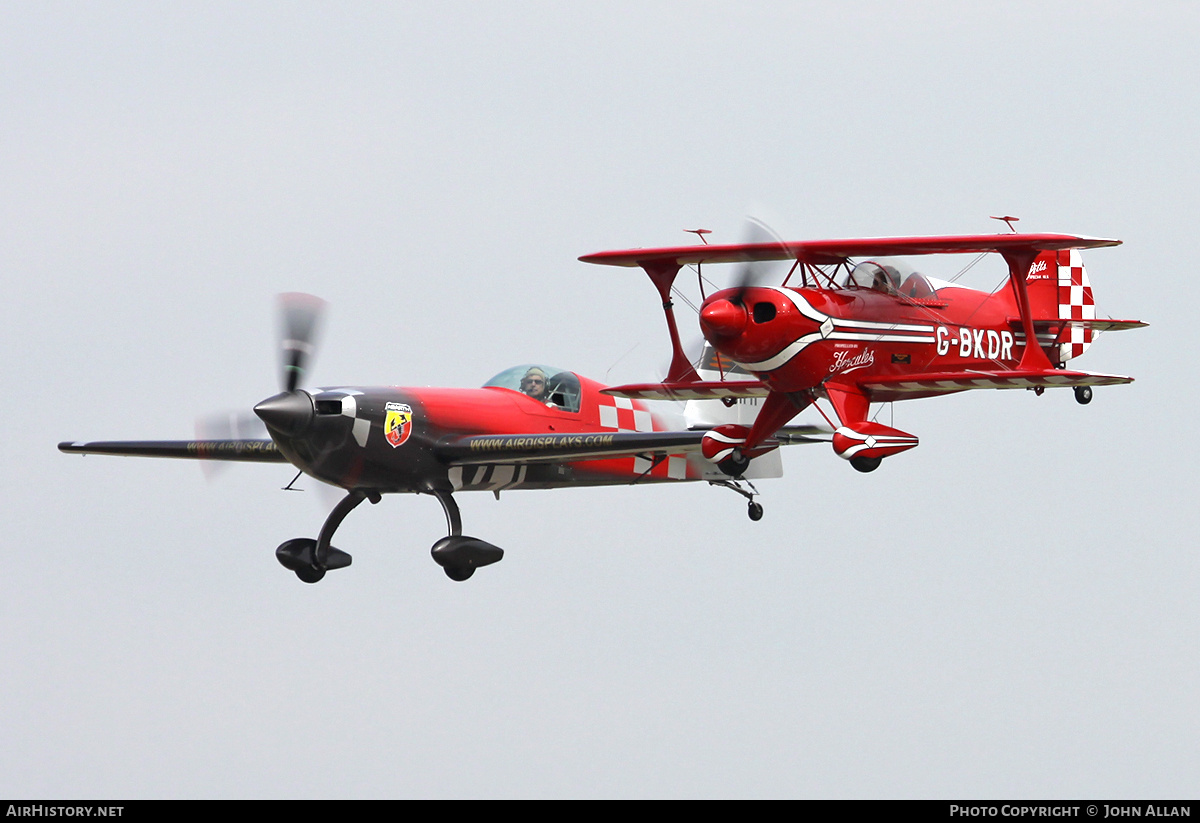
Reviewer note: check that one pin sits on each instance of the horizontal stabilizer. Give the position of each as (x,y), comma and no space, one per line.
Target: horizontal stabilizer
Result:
(696,390)
(242,451)
(1100,324)
(1097,324)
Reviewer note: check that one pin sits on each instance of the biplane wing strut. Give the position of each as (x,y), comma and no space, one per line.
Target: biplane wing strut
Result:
(662,274)
(1019,261)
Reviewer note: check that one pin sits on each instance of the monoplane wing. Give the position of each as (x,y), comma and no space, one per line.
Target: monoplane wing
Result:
(242,451)
(929,384)
(565,448)
(832,252)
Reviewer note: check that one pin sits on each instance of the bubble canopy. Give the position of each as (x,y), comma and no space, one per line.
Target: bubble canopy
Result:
(557,388)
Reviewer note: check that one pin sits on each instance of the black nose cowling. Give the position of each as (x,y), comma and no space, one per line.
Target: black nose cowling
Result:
(287,412)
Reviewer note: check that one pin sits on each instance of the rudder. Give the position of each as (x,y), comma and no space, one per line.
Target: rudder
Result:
(1059,290)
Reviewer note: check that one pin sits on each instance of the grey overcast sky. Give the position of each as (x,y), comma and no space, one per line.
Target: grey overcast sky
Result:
(1009,610)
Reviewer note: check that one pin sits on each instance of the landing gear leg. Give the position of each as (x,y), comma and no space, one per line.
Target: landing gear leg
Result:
(753,510)
(309,558)
(458,555)
(450,507)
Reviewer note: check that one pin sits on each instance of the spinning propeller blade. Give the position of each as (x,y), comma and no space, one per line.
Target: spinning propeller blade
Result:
(728,316)
(291,411)
(300,316)
(231,426)
(756,272)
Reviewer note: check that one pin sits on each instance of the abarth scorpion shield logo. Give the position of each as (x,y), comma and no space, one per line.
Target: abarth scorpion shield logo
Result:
(397,425)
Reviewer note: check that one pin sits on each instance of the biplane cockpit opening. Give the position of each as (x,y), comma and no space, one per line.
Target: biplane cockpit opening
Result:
(890,278)
(875,276)
(557,388)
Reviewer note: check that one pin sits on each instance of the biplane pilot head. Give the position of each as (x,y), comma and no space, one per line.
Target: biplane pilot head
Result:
(534,383)
(887,280)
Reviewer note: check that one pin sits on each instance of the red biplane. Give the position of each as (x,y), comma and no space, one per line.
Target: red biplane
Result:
(529,427)
(875,332)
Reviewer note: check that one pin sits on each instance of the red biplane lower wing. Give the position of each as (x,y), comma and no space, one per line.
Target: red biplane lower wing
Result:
(241,451)
(695,390)
(928,384)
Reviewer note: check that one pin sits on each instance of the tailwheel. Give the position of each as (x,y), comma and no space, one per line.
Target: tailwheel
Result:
(1083,395)
(865,464)
(754,511)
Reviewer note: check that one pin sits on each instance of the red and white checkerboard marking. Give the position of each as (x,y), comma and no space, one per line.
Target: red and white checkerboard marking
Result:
(620,414)
(1075,302)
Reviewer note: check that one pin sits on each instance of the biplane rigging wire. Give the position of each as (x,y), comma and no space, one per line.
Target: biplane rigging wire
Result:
(968,267)
(619,359)
(675,291)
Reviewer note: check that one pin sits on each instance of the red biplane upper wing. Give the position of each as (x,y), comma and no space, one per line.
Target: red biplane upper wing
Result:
(927,384)
(564,448)
(830,252)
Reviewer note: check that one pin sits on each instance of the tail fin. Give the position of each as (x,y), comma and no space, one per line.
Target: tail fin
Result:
(1059,290)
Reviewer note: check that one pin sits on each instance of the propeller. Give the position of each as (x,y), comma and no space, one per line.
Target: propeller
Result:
(728,317)
(291,411)
(240,425)
(300,316)
(756,272)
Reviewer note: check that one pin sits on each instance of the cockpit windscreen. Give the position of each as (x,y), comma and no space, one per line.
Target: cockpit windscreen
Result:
(893,277)
(555,387)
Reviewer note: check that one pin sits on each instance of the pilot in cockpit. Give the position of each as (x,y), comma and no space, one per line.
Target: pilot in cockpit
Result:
(534,385)
(886,280)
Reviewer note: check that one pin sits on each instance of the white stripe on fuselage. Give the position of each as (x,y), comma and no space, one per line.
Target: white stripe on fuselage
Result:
(840,329)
